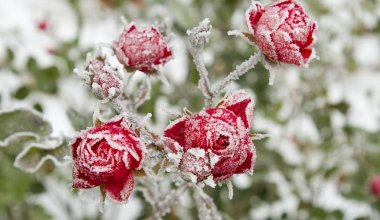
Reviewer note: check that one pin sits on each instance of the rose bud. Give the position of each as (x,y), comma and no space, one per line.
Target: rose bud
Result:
(106,156)
(375,186)
(215,142)
(105,81)
(142,50)
(283,31)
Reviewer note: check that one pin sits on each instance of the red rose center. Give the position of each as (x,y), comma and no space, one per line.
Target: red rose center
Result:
(222,143)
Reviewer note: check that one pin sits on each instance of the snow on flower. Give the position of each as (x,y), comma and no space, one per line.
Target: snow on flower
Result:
(142,50)
(215,142)
(106,156)
(283,31)
(105,81)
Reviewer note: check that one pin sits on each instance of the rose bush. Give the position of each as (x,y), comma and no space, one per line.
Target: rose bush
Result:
(215,142)
(143,49)
(106,156)
(283,31)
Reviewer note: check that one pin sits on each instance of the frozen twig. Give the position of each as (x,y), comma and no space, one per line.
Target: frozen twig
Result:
(238,72)
(142,94)
(247,37)
(206,206)
(164,204)
(198,37)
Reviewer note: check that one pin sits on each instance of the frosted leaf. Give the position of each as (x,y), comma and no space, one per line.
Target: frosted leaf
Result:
(210,182)
(22,122)
(35,154)
(246,37)
(273,70)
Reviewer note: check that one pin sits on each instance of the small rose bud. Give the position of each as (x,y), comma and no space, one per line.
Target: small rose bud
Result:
(142,50)
(283,31)
(105,81)
(374,185)
(215,142)
(106,156)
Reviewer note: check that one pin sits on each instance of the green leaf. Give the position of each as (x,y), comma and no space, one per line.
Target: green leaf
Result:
(79,121)
(34,156)
(22,122)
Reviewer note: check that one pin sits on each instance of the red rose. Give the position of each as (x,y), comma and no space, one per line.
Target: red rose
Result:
(142,50)
(107,155)
(282,31)
(375,186)
(215,142)
(105,81)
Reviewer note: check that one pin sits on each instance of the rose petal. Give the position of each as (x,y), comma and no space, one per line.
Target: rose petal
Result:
(248,164)
(253,15)
(242,104)
(80,181)
(120,189)
(226,167)
(176,131)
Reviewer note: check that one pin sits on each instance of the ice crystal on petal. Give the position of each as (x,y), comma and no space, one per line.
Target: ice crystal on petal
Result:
(106,155)
(104,79)
(215,141)
(142,50)
(283,31)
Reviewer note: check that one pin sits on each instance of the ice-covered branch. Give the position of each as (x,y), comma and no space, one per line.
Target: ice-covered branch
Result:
(198,37)
(240,70)
(206,206)
(164,204)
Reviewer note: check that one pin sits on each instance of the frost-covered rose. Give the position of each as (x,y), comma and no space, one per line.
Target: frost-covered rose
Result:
(143,49)
(105,81)
(215,142)
(106,156)
(282,31)
(374,185)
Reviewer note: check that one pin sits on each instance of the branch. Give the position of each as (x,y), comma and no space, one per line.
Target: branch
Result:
(240,70)
(198,37)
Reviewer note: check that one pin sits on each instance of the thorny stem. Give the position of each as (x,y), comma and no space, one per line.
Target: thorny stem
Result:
(136,122)
(198,37)
(204,82)
(163,205)
(240,70)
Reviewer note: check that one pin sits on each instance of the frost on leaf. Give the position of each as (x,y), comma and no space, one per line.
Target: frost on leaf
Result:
(22,122)
(35,155)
